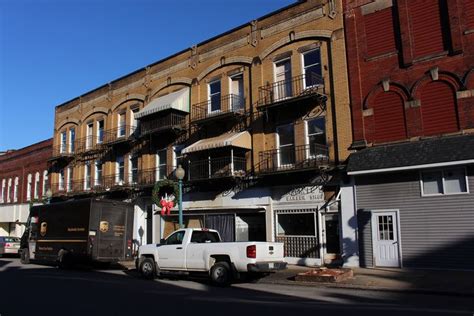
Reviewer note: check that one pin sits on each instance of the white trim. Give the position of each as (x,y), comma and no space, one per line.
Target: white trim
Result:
(209,103)
(374,234)
(466,179)
(426,166)
(303,65)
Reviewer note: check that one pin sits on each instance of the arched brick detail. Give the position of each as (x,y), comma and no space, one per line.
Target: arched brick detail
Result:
(130,97)
(93,111)
(72,121)
(447,77)
(469,79)
(174,81)
(244,60)
(438,107)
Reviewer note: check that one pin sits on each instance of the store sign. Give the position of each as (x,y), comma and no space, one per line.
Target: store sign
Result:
(309,194)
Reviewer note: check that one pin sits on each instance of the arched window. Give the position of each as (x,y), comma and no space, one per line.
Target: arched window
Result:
(438,108)
(9,190)
(45,182)
(389,117)
(28,187)
(15,190)
(37,184)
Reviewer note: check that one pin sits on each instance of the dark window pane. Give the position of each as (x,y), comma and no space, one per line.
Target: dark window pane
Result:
(296,224)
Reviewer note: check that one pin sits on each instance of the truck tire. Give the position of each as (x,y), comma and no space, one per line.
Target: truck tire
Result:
(25,256)
(221,274)
(147,268)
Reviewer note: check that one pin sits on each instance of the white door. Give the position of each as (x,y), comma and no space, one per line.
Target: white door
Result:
(172,254)
(385,238)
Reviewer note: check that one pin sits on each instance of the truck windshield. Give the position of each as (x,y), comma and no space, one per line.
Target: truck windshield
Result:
(204,236)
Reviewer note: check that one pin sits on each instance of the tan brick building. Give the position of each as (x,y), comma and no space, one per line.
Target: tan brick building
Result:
(258,117)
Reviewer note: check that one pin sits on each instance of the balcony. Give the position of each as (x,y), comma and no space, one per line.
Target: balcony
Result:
(215,168)
(62,152)
(229,106)
(169,122)
(118,134)
(289,91)
(293,158)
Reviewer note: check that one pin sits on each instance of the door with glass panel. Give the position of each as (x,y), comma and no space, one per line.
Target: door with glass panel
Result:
(237,92)
(385,238)
(282,88)
(286,146)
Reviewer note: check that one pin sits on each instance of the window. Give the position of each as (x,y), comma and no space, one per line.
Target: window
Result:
(237,92)
(178,158)
(45,182)
(282,89)
(15,190)
(120,170)
(63,142)
(312,67)
(176,238)
(100,131)
(28,187)
(449,181)
(72,140)
(87,176)
(89,133)
(37,185)
(121,125)
(215,96)
(98,173)
(204,236)
(134,169)
(161,164)
(285,142)
(135,122)
(316,133)
(302,224)
(61,180)
(2,192)
(9,187)
(69,179)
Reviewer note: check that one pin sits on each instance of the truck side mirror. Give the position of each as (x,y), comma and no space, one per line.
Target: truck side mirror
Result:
(162,241)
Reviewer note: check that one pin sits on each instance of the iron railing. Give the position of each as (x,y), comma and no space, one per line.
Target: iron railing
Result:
(63,150)
(167,122)
(227,104)
(216,168)
(306,84)
(293,158)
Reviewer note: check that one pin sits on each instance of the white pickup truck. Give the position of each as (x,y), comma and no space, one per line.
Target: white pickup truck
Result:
(201,250)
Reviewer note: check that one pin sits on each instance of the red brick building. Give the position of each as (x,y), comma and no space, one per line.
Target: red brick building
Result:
(23,179)
(407,200)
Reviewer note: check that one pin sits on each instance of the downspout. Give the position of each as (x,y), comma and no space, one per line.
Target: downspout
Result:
(252,160)
(333,105)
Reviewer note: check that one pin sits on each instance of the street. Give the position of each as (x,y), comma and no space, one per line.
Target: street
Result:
(44,290)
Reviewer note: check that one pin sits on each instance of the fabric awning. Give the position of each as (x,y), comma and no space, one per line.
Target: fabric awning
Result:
(240,140)
(178,100)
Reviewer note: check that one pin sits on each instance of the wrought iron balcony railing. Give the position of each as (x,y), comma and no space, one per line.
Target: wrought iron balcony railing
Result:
(292,158)
(216,168)
(231,104)
(286,90)
(63,151)
(170,121)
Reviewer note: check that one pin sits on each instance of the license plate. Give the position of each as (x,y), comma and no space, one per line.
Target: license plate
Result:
(271,265)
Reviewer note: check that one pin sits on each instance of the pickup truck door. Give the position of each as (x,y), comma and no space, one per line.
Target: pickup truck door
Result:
(172,254)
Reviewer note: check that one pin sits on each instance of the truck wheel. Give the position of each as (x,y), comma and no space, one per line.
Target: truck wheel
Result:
(147,268)
(25,256)
(221,274)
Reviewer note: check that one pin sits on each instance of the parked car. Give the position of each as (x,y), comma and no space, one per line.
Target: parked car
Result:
(9,245)
(196,250)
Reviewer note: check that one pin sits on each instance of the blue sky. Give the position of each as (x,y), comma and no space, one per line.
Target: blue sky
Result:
(52,51)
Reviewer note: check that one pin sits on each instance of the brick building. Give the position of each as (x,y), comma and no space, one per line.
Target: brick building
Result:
(23,180)
(258,116)
(406,200)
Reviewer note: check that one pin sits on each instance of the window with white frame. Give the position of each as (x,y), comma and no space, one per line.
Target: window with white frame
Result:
(61,180)
(119,170)
(161,164)
(316,136)
(45,182)
(63,140)
(2,193)
(87,176)
(121,125)
(98,173)
(9,188)
(15,189)
(283,88)
(72,140)
(37,185)
(312,67)
(100,131)
(89,134)
(133,166)
(28,187)
(214,96)
(69,179)
(447,181)
(285,141)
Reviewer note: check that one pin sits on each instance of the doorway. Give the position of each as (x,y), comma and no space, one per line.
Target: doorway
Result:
(386,238)
(331,237)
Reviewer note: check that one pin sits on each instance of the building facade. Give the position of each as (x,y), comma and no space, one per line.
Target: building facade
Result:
(258,117)
(23,181)
(406,200)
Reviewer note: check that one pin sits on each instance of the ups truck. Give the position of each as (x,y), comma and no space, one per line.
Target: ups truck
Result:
(87,230)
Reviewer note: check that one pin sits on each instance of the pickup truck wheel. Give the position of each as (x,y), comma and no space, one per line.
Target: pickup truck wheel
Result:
(25,256)
(147,268)
(221,274)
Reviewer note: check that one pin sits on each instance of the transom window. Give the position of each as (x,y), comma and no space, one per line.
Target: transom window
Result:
(215,96)
(448,181)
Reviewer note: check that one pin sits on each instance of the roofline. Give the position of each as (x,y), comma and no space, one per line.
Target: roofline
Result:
(16,152)
(403,168)
(184,50)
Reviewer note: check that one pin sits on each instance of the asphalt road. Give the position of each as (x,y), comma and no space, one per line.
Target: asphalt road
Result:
(43,290)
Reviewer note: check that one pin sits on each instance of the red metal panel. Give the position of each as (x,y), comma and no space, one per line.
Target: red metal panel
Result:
(469,13)
(379,31)
(389,117)
(426,27)
(438,109)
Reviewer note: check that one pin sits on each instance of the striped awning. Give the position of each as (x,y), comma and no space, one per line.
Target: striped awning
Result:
(240,140)
(178,100)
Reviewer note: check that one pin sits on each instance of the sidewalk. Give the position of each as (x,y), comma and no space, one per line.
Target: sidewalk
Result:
(446,282)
